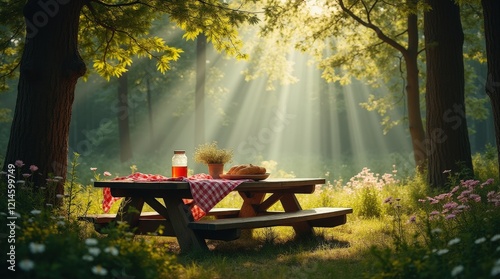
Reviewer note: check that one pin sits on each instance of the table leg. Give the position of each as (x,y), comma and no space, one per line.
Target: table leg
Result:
(179,216)
(291,204)
(250,203)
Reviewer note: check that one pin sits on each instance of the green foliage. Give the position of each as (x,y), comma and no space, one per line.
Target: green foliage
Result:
(453,236)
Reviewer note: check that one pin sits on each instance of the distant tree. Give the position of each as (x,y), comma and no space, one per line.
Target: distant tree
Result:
(374,41)
(448,138)
(123,116)
(59,37)
(491,13)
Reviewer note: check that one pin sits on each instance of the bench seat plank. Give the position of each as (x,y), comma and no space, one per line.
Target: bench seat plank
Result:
(108,217)
(318,217)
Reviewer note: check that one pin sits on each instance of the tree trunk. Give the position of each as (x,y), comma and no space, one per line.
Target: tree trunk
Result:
(415,125)
(201,74)
(448,144)
(50,68)
(123,119)
(491,13)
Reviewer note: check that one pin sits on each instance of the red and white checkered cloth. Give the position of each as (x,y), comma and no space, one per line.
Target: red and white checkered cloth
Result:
(207,192)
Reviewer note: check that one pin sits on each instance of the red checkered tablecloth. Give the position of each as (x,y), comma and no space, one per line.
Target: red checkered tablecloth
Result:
(206,192)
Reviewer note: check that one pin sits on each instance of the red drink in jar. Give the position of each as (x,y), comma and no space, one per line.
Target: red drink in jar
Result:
(179,164)
(179,171)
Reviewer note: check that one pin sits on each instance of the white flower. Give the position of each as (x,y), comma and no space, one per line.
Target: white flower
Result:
(457,270)
(495,270)
(36,211)
(61,223)
(99,270)
(437,230)
(480,240)
(112,250)
(90,241)
(88,258)
(58,177)
(37,247)
(26,265)
(442,252)
(454,241)
(94,251)
(59,196)
(495,237)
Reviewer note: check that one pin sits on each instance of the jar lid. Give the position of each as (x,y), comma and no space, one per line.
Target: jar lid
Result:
(179,151)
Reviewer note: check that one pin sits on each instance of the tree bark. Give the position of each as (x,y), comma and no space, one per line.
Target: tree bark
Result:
(50,68)
(415,125)
(448,144)
(123,119)
(491,13)
(201,75)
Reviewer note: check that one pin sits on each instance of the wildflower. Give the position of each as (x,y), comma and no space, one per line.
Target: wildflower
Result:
(436,230)
(495,270)
(446,171)
(93,169)
(33,168)
(26,175)
(107,173)
(59,196)
(58,178)
(88,258)
(435,212)
(99,270)
(94,251)
(450,216)
(61,223)
(19,163)
(413,219)
(457,270)
(442,251)
(454,241)
(495,237)
(26,265)
(90,241)
(111,250)
(36,211)
(49,205)
(480,240)
(36,248)
(488,182)
(21,181)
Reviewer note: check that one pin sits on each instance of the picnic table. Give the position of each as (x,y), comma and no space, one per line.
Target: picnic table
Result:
(176,218)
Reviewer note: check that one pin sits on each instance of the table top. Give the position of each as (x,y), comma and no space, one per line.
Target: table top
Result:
(262,185)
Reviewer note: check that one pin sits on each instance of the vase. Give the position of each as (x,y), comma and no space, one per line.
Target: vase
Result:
(215,170)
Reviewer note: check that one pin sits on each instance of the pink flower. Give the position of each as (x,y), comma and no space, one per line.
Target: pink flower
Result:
(107,173)
(26,175)
(93,169)
(450,216)
(19,163)
(33,168)
(413,219)
(435,212)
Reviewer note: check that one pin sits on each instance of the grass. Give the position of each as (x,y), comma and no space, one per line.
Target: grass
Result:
(383,238)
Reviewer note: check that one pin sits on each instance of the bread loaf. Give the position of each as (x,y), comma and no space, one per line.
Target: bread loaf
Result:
(246,170)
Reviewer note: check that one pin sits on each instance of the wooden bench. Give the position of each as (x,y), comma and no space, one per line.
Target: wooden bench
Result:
(152,222)
(317,217)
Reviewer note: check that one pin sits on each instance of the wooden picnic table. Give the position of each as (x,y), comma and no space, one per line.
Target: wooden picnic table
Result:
(176,219)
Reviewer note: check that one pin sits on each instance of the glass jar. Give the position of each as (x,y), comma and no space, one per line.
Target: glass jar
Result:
(179,164)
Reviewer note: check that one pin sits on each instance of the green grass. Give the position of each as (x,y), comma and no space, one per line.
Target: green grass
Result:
(378,240)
